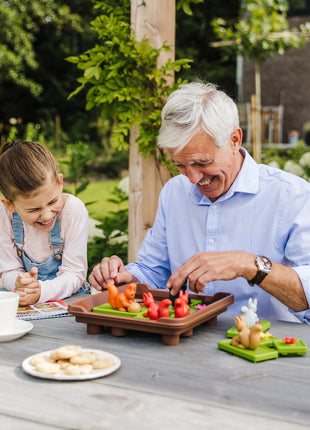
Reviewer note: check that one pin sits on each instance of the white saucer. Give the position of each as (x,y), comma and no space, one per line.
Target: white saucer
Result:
(21,327)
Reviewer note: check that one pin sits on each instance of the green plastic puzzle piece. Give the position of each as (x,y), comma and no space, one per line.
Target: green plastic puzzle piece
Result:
(195,302)
(233,331)
(262,353)
(106,308)
(268,341)
(296,348)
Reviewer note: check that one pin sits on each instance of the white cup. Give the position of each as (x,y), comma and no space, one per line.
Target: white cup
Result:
(8,311)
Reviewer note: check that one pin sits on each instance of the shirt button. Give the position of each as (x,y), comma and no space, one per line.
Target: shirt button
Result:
(211,241)
(214,207)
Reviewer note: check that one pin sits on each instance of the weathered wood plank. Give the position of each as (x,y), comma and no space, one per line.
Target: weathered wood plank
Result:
(191,384)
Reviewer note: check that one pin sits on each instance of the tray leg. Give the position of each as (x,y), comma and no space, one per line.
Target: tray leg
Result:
(94,329)
(170,340)
(188,333)
(212,321)
(116,331)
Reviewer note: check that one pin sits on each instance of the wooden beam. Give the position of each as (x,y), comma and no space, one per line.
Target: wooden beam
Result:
(154,19)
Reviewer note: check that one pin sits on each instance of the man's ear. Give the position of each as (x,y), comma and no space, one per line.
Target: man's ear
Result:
(236,139)
(9,205)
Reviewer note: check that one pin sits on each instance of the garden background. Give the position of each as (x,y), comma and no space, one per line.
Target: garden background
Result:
(48,52)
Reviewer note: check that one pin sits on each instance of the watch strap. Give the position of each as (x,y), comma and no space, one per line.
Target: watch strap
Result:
(262,272)
(258,278)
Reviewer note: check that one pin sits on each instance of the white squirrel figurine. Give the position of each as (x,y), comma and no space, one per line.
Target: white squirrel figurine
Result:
(249,313)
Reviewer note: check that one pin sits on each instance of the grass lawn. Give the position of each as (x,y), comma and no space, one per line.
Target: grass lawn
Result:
(100,191)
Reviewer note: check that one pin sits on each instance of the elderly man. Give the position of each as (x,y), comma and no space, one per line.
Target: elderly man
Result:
(225,223)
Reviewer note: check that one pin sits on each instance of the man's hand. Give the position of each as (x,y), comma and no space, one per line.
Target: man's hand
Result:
(205,267)
(110,270)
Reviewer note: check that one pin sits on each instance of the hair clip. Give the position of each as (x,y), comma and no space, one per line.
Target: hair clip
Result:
(13,143)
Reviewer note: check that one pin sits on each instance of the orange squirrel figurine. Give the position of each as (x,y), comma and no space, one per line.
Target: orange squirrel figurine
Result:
(121,301)
(247,338)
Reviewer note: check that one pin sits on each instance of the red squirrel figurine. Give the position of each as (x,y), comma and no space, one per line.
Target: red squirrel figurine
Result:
(148,299)
(181,308)
(156,311)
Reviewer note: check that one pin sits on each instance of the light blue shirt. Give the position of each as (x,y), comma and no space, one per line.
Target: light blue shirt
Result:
(266,211)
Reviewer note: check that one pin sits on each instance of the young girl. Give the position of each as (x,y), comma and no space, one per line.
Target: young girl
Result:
(43,246)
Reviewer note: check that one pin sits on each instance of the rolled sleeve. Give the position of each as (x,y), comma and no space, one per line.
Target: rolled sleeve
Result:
(304,275)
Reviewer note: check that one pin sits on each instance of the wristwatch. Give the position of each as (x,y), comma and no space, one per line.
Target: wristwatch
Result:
(264,266)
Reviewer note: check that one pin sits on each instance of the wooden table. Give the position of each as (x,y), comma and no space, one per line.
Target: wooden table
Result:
(191,385)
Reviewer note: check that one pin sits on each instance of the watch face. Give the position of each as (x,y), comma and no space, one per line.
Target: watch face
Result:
(264,264)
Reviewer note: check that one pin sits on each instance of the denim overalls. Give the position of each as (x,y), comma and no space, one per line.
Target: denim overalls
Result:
(48,269)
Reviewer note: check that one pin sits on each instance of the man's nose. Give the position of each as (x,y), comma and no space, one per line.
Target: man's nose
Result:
(193,174)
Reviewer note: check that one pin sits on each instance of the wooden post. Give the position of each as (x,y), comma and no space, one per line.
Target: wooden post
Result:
(257,142)
(154,19)
(253,120)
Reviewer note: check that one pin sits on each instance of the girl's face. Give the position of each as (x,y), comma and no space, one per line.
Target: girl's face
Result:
(41,208)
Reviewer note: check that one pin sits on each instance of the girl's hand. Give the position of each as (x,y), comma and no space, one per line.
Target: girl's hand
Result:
(28,299)
(28,287)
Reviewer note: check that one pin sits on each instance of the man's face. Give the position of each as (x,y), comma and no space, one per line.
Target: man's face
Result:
(211,168)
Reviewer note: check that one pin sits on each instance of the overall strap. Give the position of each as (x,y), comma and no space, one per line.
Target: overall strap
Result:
(55,239)
(18,229)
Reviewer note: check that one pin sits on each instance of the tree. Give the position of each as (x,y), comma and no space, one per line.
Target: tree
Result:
(194,34)
(122,79)
(35,79)
(20,22)
(262,31)
(129,80)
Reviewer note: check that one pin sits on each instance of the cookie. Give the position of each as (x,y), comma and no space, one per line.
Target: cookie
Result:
(85,358)
(103,363)
(85,369)
(66,352)
(38,359)
(63,364)
(48,368)
(77,369)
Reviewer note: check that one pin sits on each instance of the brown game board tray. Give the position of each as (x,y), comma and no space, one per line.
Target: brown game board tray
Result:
(169,328)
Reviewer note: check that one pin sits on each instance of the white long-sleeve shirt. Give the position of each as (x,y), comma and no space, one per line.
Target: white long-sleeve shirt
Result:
(72,272)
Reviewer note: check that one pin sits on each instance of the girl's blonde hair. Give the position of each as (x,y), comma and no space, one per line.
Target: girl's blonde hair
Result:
(24,167)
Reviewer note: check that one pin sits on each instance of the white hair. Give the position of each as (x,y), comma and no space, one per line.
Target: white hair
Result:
(194,107)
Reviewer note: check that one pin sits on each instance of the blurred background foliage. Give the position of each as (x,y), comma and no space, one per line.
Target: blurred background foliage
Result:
(36,79)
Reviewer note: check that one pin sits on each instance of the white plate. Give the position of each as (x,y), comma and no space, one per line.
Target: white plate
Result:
(62,376)
(21,327)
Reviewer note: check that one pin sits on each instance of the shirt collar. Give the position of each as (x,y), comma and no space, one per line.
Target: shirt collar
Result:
(247,181)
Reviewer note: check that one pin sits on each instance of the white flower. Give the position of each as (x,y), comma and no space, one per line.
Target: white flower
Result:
(274,163)
(93,230)
(117,237)
(305,160)
(292,167)
(124,185)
